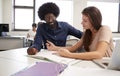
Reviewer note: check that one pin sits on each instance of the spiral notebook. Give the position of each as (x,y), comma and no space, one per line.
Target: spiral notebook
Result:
(42,69)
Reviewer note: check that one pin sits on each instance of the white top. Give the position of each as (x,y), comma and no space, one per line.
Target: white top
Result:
(32,34)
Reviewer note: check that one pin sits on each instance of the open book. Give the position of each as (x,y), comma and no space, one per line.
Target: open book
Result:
(52,56)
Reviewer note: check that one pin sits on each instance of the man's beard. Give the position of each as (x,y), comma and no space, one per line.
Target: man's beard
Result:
(52,24)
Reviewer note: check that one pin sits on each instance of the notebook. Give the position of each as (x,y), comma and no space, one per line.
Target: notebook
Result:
(42,69)
(114,61)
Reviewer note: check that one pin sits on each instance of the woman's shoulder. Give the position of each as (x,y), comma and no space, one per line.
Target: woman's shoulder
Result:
(105,27)
(105,30)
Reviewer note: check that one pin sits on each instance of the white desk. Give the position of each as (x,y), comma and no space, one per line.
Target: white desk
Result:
(9,67)
(12,61)
(18,55)
(75,71)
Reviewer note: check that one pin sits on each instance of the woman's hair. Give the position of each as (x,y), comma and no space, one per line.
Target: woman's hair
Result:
(95,18)
(46,8)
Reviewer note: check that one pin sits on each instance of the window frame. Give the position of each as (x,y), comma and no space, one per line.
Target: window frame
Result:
(22,7)
(25,7)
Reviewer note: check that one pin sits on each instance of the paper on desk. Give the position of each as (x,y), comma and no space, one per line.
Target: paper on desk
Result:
(50,55)
(78,71)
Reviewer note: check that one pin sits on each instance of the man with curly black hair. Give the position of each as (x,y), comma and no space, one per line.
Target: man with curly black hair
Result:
(52,30)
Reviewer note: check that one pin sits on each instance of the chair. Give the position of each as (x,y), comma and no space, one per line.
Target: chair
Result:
(29,42)
(71,42)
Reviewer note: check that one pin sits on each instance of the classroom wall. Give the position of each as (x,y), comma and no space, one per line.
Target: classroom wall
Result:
(7,12)
(79,5)
(0,11)
(114,34)
(7,16)
(106,0)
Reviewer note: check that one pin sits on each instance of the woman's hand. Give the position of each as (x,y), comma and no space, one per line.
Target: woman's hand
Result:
(64,52)
(51,46)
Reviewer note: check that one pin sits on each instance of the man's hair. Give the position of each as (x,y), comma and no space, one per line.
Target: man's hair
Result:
(34,25)
(46,8)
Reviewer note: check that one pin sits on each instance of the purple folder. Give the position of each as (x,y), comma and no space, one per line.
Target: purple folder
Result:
(42,69)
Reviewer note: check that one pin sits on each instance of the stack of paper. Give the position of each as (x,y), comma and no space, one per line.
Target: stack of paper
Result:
(42,69)
(52,56)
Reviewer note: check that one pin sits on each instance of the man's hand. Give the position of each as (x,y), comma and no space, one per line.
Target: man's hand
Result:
(32,51)
(50,46)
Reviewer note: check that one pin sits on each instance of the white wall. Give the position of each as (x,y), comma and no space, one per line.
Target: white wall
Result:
(6,14)
(79,5)
(106,0)
(118,1)
(0,11)
(8,17)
